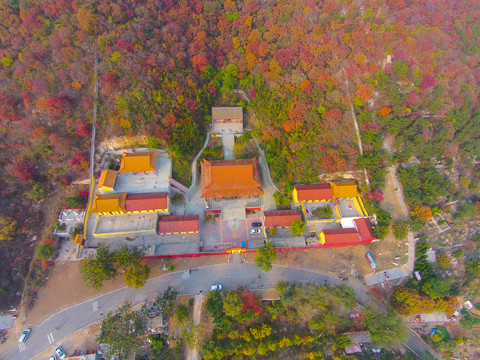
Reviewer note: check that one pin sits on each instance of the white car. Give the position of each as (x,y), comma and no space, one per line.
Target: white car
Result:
(255,231)
(60,353)
(52,358)
(216,287)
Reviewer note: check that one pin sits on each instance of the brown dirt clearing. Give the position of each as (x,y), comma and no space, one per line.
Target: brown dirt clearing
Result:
(66,278)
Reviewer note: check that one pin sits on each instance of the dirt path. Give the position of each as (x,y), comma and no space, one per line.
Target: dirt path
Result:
(192,354)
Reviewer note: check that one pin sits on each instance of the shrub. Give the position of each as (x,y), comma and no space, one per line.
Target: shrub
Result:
(400,230)
(323,213)
(61,227)
(273,231)
(458,253)
(46,251)
(177,198)
(171,268)
(298,227)
(443,261)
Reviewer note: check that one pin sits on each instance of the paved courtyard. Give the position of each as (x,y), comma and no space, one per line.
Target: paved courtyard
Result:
(310,207)
(126,224)
(133,183)
(347,209)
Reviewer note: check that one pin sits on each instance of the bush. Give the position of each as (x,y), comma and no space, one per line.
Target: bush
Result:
(421,248)
(323,213)
(273,231)
(416,224)
(380,231)
(297,228)
(400,230)
(171,268)
(443,261)
(46,251)
(61,227)
(177,198)
(458,253)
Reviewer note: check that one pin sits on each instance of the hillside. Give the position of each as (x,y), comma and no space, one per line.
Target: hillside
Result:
(408,69)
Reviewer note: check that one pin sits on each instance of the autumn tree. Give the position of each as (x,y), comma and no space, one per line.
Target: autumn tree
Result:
(265,257)
(99,267)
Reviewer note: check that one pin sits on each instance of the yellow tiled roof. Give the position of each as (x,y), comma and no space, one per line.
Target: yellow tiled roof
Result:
(138,162)
(344,189)
(108,178)
(109,203)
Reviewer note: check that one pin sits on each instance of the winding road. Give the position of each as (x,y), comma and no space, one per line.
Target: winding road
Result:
(230,275)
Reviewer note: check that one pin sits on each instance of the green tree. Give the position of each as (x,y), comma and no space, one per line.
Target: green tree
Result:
(324,212)
(467,211)
(137,275)
(265,257)
(443,261)
(8,228)
(46,251)
(298,227)
(473,267)
(380,231)
(387,330)
(436,288)
(191,334)
(122,331)
(458,253)
(99,267)
(400,230)
(182,313)
(166,300)
(232,304)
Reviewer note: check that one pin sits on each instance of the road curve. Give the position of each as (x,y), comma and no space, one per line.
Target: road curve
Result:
(230,276)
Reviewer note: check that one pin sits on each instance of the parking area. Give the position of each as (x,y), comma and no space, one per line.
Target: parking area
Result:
(230,231)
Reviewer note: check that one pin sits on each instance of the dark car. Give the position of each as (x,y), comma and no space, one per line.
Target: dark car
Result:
(256,224)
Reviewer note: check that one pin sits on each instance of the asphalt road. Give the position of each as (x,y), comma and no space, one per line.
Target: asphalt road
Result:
(230,275)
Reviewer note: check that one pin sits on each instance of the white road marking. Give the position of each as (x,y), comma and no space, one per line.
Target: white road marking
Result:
(22,347)
(50,338)
(95,305)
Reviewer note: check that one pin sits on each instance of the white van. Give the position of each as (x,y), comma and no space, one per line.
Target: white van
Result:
(24,335)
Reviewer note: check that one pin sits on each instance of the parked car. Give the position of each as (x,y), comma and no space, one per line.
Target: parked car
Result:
(52,358)
(256,224)
(216,287)
(24,335)
(60,353)
(255,231)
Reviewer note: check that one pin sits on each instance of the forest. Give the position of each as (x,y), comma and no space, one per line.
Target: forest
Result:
(407,70)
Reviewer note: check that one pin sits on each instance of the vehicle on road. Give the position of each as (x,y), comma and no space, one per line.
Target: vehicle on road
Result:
(52,358)
(216,287)
(24,335)
(256,224)
(255,231)
(60,353)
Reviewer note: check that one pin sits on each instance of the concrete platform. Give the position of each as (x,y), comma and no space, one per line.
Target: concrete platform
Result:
(347,208)
(137,183)
(126,224)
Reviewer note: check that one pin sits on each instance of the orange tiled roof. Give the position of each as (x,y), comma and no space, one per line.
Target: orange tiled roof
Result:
(344,189)
(349,236)
(108,178)
(138,162)
(280,218)
(314,192)
(141,202)
(231,178)
(109,203)
(178,224)
(364,228)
